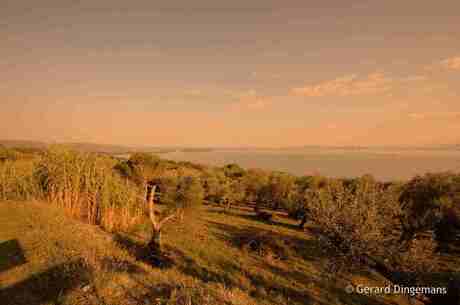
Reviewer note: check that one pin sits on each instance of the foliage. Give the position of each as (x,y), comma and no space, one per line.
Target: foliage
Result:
(218,187)
(189,193)
(141,167)
(166,188)
(211,185)
(18,153)
(305,186)
(17,181)
(354,223)
(233,171)
(86,187)
(279,190)
(124,169)
(254,181)
(431,202)
(7,154)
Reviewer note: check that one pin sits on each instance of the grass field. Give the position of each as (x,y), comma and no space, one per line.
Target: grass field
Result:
(47,258)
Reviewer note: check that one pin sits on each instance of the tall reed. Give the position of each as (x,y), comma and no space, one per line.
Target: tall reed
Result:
(86,187)
(17,180)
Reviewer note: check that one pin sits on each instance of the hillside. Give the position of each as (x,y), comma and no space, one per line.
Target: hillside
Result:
(47,258)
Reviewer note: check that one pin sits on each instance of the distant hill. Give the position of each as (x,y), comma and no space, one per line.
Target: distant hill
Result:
(122,149)
(88,147)
(22,144)
(448,146)
(387,147)
(102,148)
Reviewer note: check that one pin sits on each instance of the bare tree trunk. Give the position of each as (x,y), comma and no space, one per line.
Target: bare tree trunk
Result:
(228,206)
(154,244)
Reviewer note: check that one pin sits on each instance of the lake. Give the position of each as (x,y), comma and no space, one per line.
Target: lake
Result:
(384,164)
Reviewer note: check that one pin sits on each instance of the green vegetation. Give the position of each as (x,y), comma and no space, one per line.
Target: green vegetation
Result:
(17,181)
(399,231)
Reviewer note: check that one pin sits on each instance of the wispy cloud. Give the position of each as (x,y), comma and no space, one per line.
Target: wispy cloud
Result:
(452,63)
(261,76)
(250,100)
(194,92)
(414,78)
(349,85)
(440,115)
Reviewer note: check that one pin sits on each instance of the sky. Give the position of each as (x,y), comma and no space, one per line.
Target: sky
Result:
(260,73)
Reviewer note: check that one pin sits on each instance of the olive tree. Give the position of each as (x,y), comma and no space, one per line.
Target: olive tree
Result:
(178,197)
(431,202)
(189,194)
(304,188)
(254,181)
(370,224)
(279,190)
(354,224)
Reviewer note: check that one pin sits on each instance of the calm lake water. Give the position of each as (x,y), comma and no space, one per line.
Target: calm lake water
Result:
(382,164)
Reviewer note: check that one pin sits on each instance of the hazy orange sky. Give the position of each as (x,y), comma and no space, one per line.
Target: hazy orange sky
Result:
(258,73)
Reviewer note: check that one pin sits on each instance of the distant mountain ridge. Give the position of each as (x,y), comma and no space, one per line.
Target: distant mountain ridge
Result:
(122,149)
(101,148)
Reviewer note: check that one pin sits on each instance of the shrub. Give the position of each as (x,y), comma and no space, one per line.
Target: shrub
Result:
(355,224)
(431,203)
(279,191)
(189,193)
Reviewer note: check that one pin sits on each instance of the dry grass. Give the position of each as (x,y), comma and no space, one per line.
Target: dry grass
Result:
(68,262)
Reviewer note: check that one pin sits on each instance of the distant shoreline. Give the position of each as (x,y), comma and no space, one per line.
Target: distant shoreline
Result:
(385,165)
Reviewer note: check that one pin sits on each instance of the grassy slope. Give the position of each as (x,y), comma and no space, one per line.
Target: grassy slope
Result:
(67,262)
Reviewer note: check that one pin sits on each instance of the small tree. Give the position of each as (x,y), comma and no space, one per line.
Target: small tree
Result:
(254,180)
(211,185)
(235,193)
(279,190)
(353,224)
(233,171)
(143,167)
(303,190)
(189,194)
(155,243)
(364,225)
(431,203)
